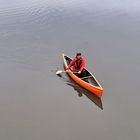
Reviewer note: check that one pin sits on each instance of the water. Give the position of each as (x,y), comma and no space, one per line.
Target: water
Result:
(35,103)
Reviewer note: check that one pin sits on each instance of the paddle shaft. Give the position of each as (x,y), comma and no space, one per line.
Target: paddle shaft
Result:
(69,71)
(60,71)
(77,72)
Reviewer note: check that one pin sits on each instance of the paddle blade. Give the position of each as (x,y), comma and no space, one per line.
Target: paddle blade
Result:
(58,72)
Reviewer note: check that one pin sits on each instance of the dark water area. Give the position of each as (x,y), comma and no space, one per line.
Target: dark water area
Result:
(35,104)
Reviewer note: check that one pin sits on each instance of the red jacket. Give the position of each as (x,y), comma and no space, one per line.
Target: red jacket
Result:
(78,65)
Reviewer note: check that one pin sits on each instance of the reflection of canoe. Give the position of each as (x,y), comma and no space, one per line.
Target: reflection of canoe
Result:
(92,85)
(95,99)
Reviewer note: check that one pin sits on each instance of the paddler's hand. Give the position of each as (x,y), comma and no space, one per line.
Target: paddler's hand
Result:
(79,72)
(67,70)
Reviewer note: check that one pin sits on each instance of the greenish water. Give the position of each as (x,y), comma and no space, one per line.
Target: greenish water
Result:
(35,104)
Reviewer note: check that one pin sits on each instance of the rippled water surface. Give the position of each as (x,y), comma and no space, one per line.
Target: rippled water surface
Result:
(35,104)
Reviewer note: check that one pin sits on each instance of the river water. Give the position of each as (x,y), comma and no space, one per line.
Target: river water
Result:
(35,104)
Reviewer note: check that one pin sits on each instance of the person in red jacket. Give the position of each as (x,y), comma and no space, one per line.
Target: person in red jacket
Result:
(77,65)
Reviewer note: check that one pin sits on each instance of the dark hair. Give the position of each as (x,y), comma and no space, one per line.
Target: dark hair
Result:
(77,54)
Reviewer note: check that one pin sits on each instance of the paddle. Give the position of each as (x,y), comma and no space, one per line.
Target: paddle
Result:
(60,71)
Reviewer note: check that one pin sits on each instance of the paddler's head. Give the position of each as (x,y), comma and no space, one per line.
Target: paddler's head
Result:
(78,55)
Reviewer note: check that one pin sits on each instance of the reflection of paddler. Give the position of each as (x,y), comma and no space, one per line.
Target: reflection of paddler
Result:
(80,94)
(95,99)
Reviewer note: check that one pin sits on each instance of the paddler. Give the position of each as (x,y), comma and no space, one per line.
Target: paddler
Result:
(77,65)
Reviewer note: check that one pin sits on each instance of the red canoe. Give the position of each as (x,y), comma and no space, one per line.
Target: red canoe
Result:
(92,85)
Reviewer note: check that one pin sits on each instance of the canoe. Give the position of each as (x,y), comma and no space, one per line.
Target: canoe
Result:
(92,85)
